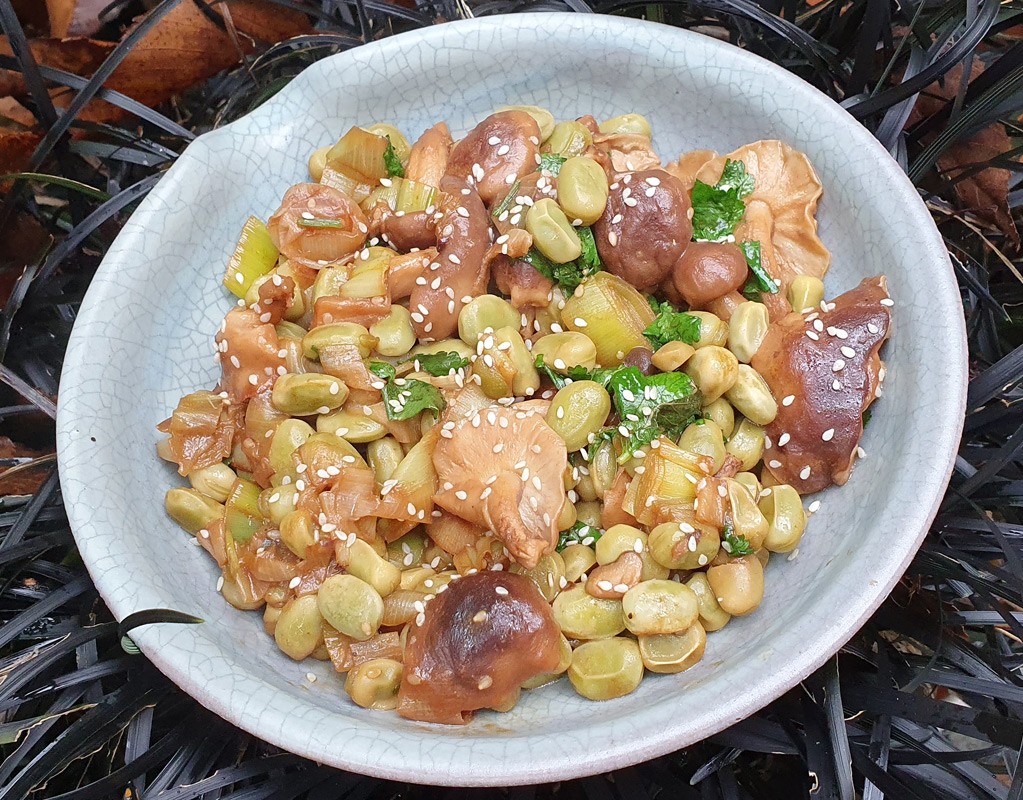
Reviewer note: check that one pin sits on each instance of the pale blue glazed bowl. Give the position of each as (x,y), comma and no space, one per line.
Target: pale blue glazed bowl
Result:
(145,334)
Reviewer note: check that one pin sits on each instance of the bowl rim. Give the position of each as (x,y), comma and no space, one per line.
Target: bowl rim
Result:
(483,766)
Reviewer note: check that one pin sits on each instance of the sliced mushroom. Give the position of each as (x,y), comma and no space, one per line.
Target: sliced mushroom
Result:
(401,230)
(501,149)
(404,270)
(524,286)
(473,647)
(688,166)
(503,468)
(250,353)
(627,152)
(275,297)
(645,227)
(460,272)
(308,203)
(428,159)
(824,370)
(780,212)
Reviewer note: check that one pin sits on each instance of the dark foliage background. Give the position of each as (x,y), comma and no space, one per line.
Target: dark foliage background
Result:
(926,702)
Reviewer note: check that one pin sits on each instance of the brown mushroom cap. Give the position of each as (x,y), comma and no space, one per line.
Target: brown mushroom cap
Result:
(460,269)
(477,643)
(502,468)
(312,245)
(709,270)
(824,370)
(645,227)
(497,152)
(780,212)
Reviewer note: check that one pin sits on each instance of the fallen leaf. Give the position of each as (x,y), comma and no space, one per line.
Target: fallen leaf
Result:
(186,48)
(11,109)
(24,481)
(984,193)
(74,17)
(16,147)
(80,56)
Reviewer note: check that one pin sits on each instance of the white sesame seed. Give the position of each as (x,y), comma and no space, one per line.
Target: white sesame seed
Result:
(461,495)
(838,366)
(501,591)
(848,352)
(887,302)
(814,507)
(812,335)
(804,473)
(775,464)
(836,384)
(828,435)
(872,328)
(788,400)
(783,440)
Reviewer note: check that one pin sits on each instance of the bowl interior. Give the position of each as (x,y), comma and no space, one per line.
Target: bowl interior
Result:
(145,337)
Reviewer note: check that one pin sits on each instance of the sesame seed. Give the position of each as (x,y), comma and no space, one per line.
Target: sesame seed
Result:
(461,495)
(783,440)
(836,384)
(294,582)
(818,326)
(887,302)
(838,366)
(872,328)
(814,507)
(828,435)
(501,591)
(812,335)
(537,483)
(788,400)
(804,473)
(775,464)
(861,453)
(848,352)
(612,238)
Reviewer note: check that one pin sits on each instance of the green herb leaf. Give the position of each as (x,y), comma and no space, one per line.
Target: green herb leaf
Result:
(649,405)
(580,533)
(320,222)
(509,200)
(407,398)
(735,544)
(719,208)
(552,375)
(672,326)
(404,398)
(392,162)
(760,280)
(569,275)
(551,162)
(382,370)
(438,364)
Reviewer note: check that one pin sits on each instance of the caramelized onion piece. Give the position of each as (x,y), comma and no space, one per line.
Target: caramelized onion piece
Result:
(824,370)
(645,227)
(308,202)
(474,646)
(250,353)
(202,430)
(460,269)
(502,468)
(504,144)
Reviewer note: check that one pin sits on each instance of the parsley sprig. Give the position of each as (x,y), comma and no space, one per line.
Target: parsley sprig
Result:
(735,544)
(579,533)
(719,208)
(569,275)
(671,326)
(392,162)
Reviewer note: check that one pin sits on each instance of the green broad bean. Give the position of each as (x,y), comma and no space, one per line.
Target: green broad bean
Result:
(548,574)
(191,509)
(606,669)
(627,123)
(582,190)
(578,411)
(568,139)
(351,605)
(299,628)
(566,349)
(673,652)
(751,396)
(486,312)
(356,428)
(364,563)
(659,606)
(553,234)
(582,616)
(337,333)
(374,684)
(712,616)
(394,333)
(307,394)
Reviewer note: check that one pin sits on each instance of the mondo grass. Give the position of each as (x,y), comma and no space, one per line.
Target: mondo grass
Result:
(925,702)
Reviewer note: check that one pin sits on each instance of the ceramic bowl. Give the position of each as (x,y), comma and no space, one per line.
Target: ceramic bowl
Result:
(144,337)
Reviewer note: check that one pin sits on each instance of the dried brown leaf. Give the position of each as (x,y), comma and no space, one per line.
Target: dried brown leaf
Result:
(21,481)
(74,17)
(984,193)
(80,56)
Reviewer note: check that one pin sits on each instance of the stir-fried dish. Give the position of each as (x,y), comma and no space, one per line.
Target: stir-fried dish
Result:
(525,404)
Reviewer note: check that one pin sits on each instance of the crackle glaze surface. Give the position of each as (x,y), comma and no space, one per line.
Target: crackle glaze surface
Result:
(145,337)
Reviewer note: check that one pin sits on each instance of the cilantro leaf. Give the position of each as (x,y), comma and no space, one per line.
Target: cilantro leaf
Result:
(579,533)
(406,398)
(382,370)
(569,275)
(392,162)
(759,281)
(551,162)
(718,209)
(672,326)
(735,544)
(438,364)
